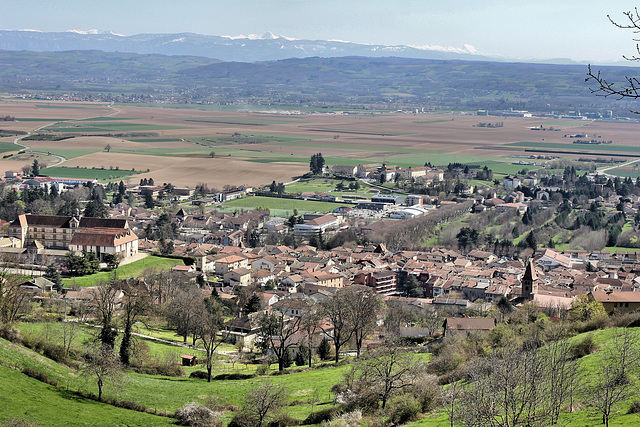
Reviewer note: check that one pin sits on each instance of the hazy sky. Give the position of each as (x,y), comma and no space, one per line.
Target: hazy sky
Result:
(520,29)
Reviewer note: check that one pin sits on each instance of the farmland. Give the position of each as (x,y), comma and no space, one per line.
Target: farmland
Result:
(188,147)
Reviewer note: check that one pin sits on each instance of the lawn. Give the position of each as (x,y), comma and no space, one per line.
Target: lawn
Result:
(99,174)
(135,269)
(277,204)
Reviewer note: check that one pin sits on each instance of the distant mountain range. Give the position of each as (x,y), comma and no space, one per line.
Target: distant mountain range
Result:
(225,48)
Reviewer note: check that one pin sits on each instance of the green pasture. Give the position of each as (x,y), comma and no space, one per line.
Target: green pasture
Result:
(277,204)
(134,269)
(154,139)
(99,174)
(29,399)
(241,121)
(625,173)
(9,146)
(108,127)
(68,153)
(35,119)
(604,148)
(71,107)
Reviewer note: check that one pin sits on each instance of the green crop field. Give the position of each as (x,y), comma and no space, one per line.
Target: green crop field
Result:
(154,139)
(8,146)
(108,127)
(135,269)
(68,153)
(240,121)
(99,174)
(604,148)
(624,173)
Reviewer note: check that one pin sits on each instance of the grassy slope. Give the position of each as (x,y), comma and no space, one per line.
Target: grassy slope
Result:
(134,269)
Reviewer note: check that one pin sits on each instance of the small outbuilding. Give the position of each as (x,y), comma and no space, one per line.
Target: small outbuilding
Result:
(189,360)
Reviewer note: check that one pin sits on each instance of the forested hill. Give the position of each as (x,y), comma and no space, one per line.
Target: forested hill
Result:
(348,80)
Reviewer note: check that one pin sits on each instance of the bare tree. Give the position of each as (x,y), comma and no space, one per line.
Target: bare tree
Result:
(278,330)
(103,303)
(613,380)
(181,312)
(630,89)
(264,400)
(209,328)
(103,364)
(381,373)
(364,307)
(135,302)
(336,312)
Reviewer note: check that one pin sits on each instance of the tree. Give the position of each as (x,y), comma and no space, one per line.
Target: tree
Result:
(273,187)
(585,307)
(209,329)
(107,148)
(112,260)
(316,164)
(103,304)
(52,273)
(262,401)
(630,89)
(96,209)
(212,154)
(148,199)
(615,375)
(166,247)
(136,302)
(278,331)
(531,241)
(253,305)
(181,311)
(35,168)
(324,349)
(102,363)
(381,373)
(364,307)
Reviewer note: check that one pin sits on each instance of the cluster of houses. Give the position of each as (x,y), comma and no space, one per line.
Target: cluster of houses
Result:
(388,173)
(15,180)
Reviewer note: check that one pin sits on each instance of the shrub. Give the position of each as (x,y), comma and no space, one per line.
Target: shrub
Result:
(9,333)
(165,370)
(583,347)
(350,419)
(215,404)
(40,376)
(262,369)
(320,416)
(195,414)
(634,408)
(427,392)
(201,375)
(284,420)
(242,419)
(234,376)
(403,409)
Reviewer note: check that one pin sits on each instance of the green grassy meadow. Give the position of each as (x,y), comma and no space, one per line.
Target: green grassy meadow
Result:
(277,204)
(135,269)
(8,146)
(99,174)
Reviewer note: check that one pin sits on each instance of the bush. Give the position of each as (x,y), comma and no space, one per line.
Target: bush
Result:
(262,369)
(40,376)
(427,392)
(634,408)
(195,414)
(284,420)
(583,347)
(234,376)
(165,370)
(242,419)
(320,416)
(403,409)
(9,333)
(215,404)
(350,419)
(201,375)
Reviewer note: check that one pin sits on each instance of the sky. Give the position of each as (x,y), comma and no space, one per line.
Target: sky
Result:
(578,30)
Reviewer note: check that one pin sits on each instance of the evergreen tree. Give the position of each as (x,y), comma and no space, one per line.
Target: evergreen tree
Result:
(253,305)
(121,188)
(95,208)
(53,273)
(324,349)
(35,168)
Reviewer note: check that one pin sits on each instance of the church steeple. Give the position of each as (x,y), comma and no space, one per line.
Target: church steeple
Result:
(529,282)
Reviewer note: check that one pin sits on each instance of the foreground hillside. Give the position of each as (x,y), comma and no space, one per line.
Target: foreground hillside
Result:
(22,397)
